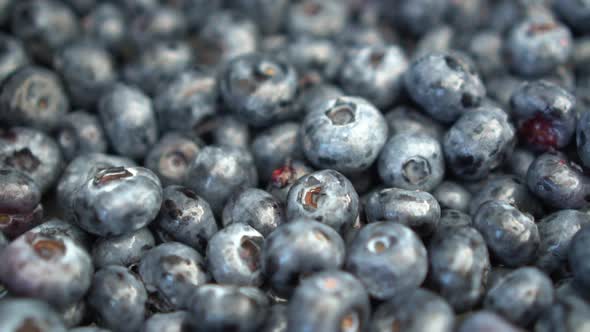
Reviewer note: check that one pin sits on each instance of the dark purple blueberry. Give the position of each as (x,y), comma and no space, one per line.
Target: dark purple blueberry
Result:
(317,18)
(106,25)
(453,218)
(583,138)
(155,23)
(254,207)
(415,16)
(445,85)
(485,320)
(330,301)
(418,210)
(226,130)
(274,146)
(521,296)
(567,313)
(177,321)
(123,250)
(578,249)
(388,258)
(575,13)
(171,157)
(326,196)
(314,57)
(12,54)
(345,134)
(298,248)
(79,133)
(404,119)
(55,226)
(452,195)
(24,315)
(19,192)
(118,299)
(285,176)
(269,15)
(117,200)
(14,224)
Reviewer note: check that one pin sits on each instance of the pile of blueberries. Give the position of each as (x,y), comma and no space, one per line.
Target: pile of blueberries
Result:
(294,165)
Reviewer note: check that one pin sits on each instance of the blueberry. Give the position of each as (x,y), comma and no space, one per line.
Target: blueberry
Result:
(577,257)
(314,96)
(46,265)
(416,17)
(171,157)
(12,55)
(224,36)
(75,314)
(20,208)
(419,310)
(58,227)
(511,235)
(453,218)
(486,49)
(226,130)
(218,172)
(326,196)
(404,119)
(582,138)
(345,134)
(500,88)
(117,200)
(268,14)
(89,329)
(298,248)
(535,46)
(186,100)
(575,13)
(185,217)
(567,313)
(170,272)
(467,15)
(314,56)
(272,147)
(129,120)
(412,161)
(451,195)
(545,114)
(479,142)
(329,301)
(155,22)
(437,39)
(259,88)
(485,320)
(106,25)
(316,18)
(459,266)
(388,258)
(87,70)
(416,209)
(20,315)
(285,176)
(220,308)
(31,152)
(445,85)
(176,321)
(520,161)
(79,133)
(118,298)
(33,96)
(123,250)
(557,181)
(374,73)
(521,296)
(510,189)
(254,207)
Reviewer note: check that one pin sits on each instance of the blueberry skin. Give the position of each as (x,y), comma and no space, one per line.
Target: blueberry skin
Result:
(419,310)
(254,207)
(226,130)
(313,97)
(484,320)
(46,265)
(511,235)
(418,210)
(42,107)
(451,195)
(87,69)
(521,296)
(478,142)
(259,88)
(79,133)
(509,189)
(20,192)
(186,100)
(458,266)
(28,314)
(412,161)
(170,272)
(224,36)
(329,301)
(89,329)
(220,308)
(345,134)
(577,254)
(269,14)
(297,248)
(276,318)
(326,196)
(374,73)
(272,147)
(536,46)
(61,227)
(118,298)
(105,24)
(575,13)
(33,153)
(154,22)
(453,218)
(388,258)
(316,18)
(404,119)
(315,57)
(177,321)
(129,120)
(285,176)
(582,135)
(437,39)
(416,17)
(117,200)
(12,55)
(520,161)
(233,255)
(185,217)
(567,313)
(545,114)
(486,49)
(123,250)
(218,172)
(75,314)
(557,181)
(445,85)
(171,157)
